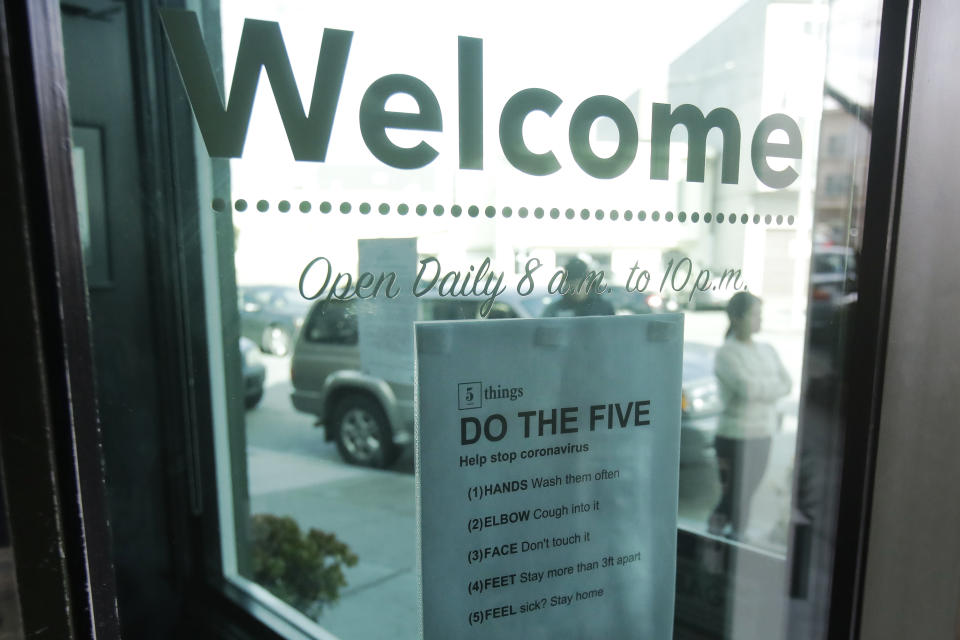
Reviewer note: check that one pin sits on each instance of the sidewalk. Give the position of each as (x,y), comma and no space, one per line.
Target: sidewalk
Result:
(374,512)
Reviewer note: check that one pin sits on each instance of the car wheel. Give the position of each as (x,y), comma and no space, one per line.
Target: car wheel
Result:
(276,340)
(362,432)
(253,400)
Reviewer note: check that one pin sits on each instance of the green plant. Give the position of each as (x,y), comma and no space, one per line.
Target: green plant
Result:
(306,571)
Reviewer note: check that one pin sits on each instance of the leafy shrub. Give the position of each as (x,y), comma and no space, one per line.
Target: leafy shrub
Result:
(305,571)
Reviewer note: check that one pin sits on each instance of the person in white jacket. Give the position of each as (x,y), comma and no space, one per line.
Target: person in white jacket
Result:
(752,379)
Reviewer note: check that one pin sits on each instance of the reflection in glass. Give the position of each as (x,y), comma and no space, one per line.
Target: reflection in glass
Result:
(752,379)
(687,220)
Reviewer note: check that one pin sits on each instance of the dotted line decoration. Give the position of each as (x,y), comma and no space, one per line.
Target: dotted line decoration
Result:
(220,205)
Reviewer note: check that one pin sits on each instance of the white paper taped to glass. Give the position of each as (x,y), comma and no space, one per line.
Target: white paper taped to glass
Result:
(547,469)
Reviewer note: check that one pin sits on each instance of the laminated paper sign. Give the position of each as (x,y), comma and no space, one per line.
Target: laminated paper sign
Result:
(547,461)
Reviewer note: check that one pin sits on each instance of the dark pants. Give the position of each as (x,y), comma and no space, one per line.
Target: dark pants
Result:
(741,462)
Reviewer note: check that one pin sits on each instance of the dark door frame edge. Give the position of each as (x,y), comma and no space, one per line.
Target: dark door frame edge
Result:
(869,328)
(26,444)
(60,417)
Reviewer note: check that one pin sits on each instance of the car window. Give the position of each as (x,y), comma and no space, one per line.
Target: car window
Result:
(449,310)
(501,311)
(832,263)
(333,323)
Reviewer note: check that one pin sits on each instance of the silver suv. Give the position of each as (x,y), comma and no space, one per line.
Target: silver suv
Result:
(370,419)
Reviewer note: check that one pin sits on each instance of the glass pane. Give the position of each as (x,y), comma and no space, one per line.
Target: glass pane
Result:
(680,222)
(379,164)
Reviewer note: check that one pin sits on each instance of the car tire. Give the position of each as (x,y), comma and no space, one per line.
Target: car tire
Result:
(252,401)
(362,432)
(276,340)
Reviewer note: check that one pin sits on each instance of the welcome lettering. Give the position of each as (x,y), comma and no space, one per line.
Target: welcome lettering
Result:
(224,126)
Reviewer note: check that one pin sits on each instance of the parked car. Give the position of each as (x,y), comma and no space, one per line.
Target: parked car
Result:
(636,302)
(254,372)
(833,288)
(271,316)
(371,419)
(700,404)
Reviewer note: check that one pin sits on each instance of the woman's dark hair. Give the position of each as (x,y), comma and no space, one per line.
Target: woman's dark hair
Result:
(739,306)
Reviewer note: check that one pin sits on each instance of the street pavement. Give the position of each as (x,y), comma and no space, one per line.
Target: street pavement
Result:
(294,472)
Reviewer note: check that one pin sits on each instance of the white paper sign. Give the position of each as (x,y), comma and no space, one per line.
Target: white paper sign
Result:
(386,342)
(547,462)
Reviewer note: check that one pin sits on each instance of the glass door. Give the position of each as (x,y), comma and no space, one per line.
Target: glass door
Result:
(270,199)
